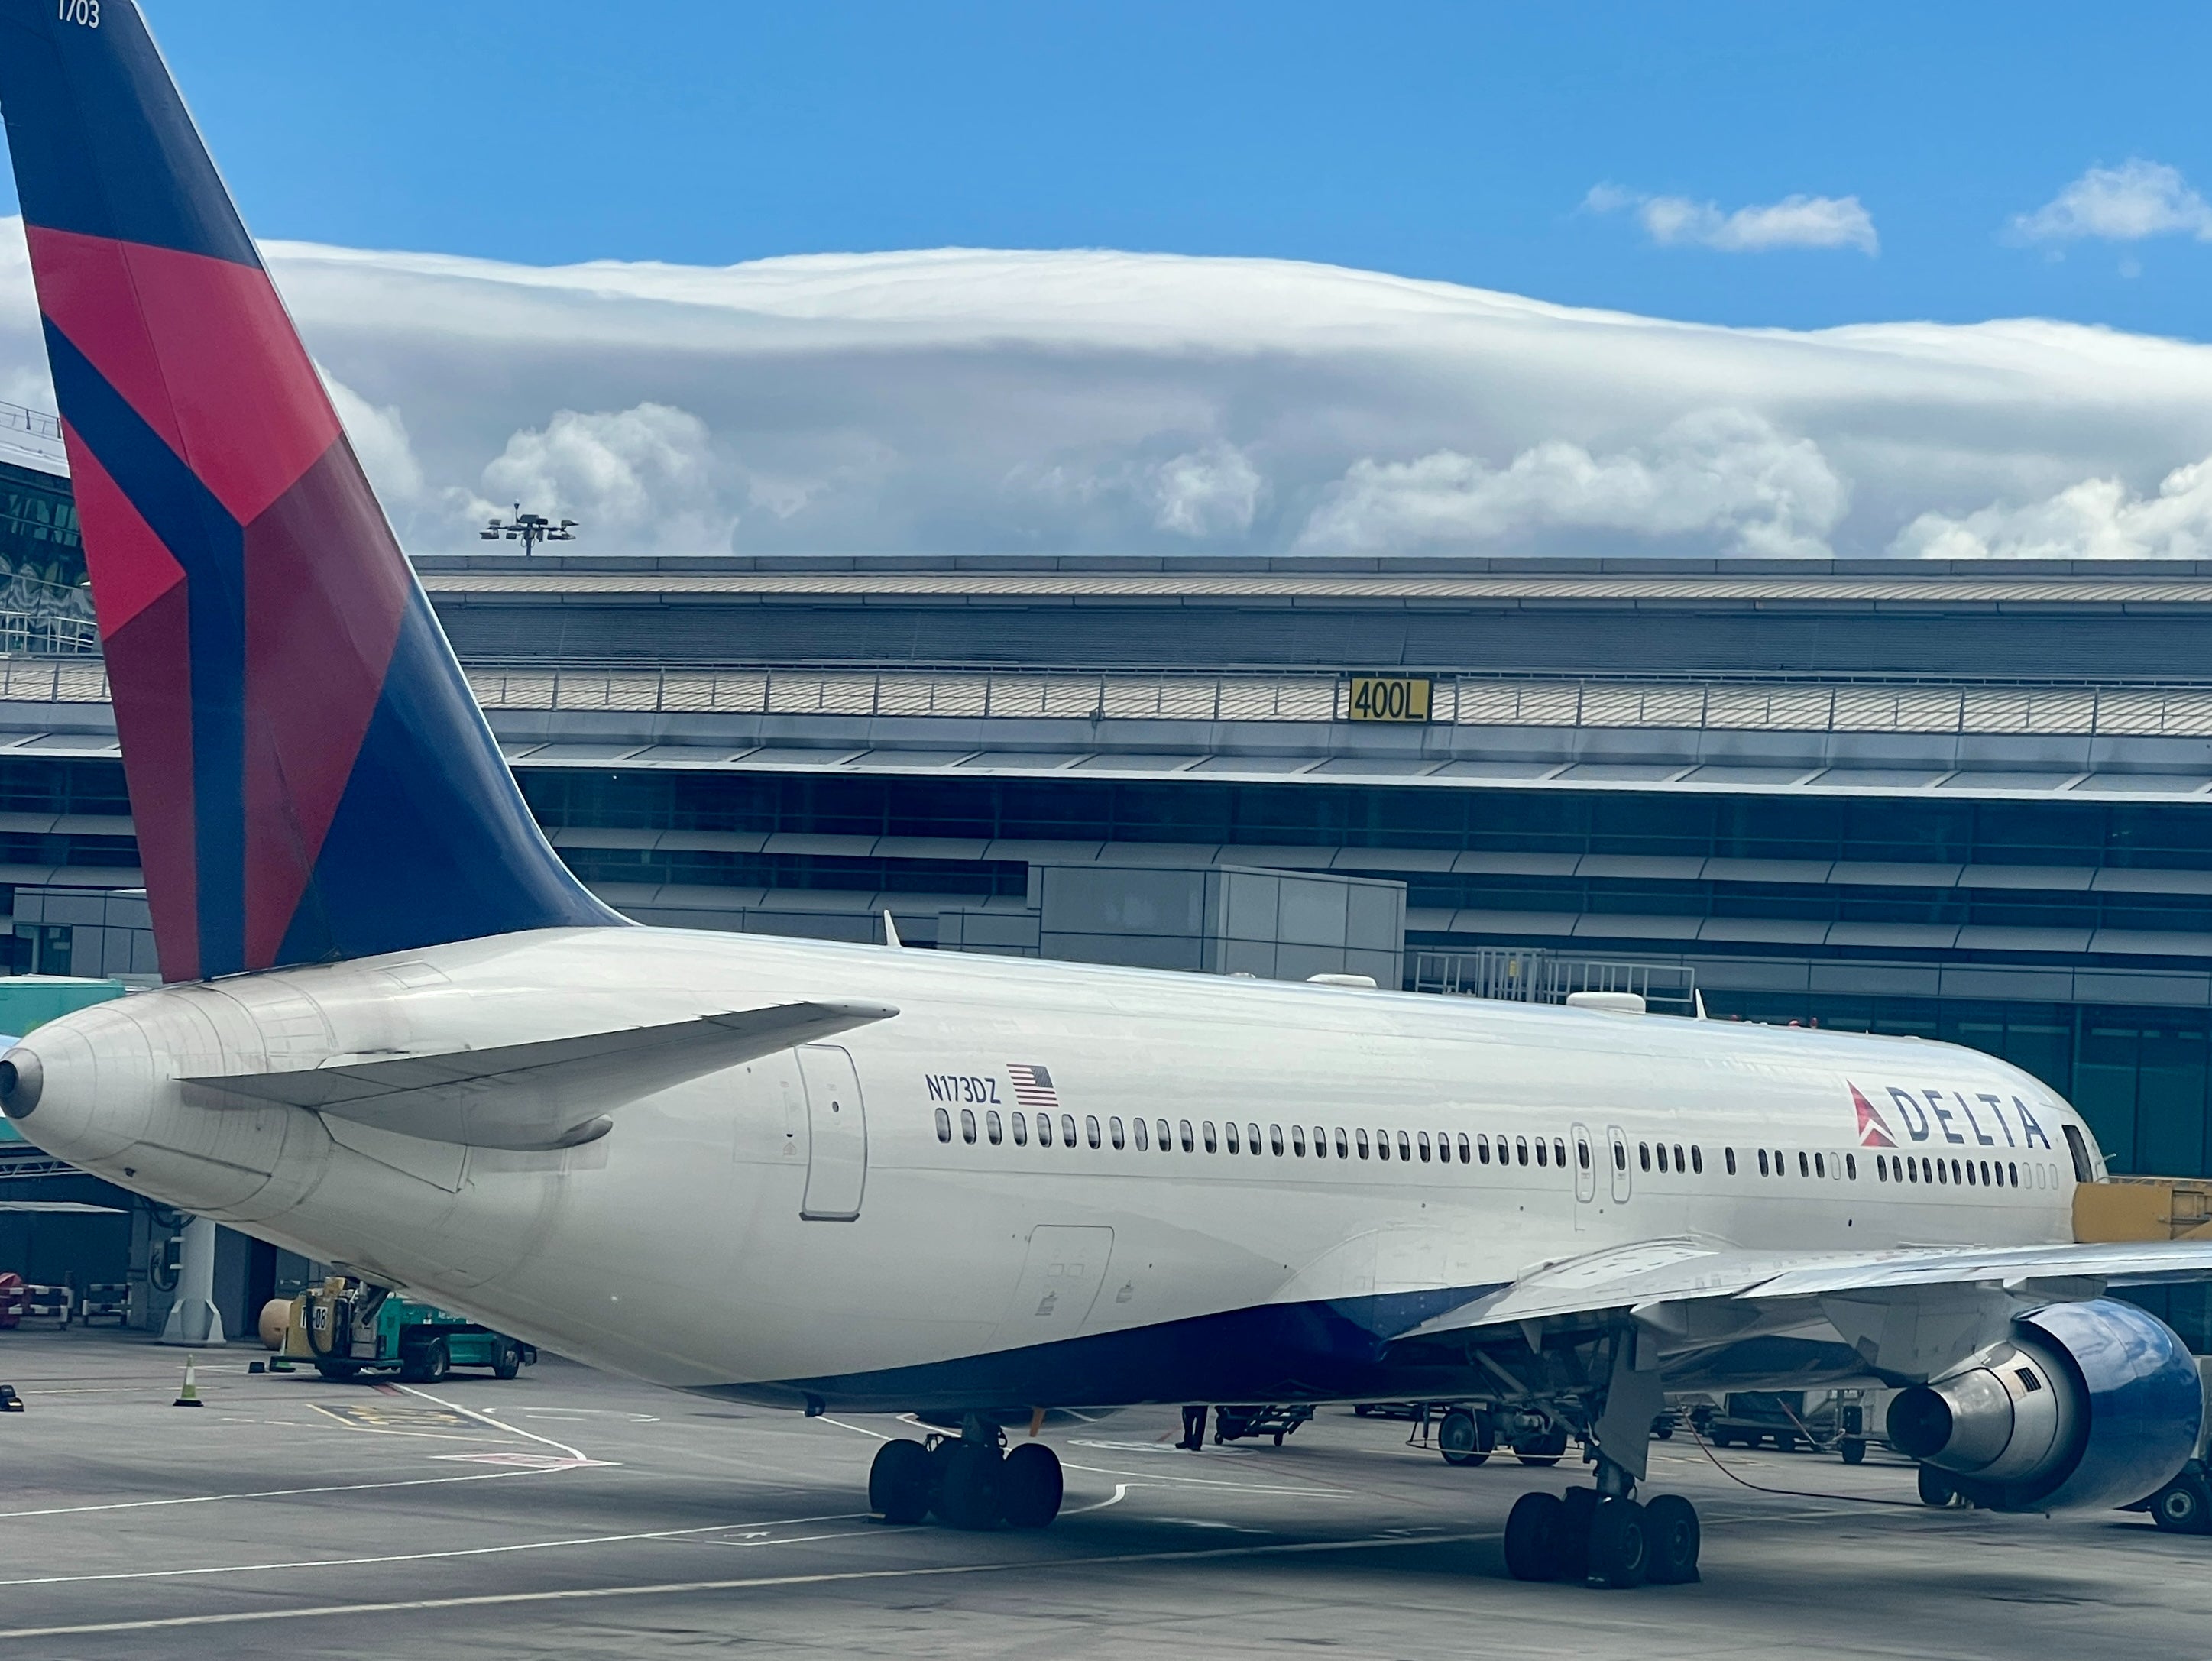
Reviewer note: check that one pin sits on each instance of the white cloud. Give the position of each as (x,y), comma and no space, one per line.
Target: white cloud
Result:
(2097,519)
(964,400)
(2126,203)
(1725,476)
(1206,494)
(1794,222)
(636,478)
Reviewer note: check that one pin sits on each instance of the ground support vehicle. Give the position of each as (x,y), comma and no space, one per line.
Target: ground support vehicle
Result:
(1790,1420)
(2185,1505)
(347,1329)
(1234,1424)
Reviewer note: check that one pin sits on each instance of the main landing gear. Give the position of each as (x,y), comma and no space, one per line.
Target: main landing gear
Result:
(971,1481)
(1602,1538)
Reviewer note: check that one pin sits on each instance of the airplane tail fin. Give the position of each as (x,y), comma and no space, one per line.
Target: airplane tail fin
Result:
(310,776)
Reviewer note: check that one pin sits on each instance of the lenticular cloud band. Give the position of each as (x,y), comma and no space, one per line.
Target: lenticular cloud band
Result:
(958,400)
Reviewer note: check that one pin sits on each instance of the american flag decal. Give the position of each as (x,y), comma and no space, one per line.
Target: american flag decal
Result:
(1033,1087)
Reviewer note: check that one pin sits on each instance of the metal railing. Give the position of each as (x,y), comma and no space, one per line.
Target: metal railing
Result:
(1858,707)
(1520,975)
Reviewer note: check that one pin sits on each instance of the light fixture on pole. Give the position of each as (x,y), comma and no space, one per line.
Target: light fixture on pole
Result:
(529,530)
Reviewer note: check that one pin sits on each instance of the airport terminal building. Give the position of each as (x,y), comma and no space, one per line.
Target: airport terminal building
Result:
(1970,802)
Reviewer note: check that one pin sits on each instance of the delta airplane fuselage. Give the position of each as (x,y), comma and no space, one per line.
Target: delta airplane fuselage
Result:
(1035,1184)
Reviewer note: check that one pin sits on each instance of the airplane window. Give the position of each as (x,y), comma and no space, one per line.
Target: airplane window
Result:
(1044,1130)
(944,1126)
(1144,1141)
(1160,1132)
(1728,1154)
(1559,1152)
(1320,1143)
(1521,1150)
(1819,1166)
(1969,1174)
(1189,1145)
(1423,1139)
(1405,1146)
(1643,1154)
(1298,1140)
(1482,1148)
(2039,1170)
(993,1128)
(1780,1169)
(1540,1159)
(1913,1170)
(1067,1131)
(1851,1167)
(1881,1168)
(1113,1127)
(1443,1148)
(1021,1131)
(1762,1162)
(1230,1131)
(1696,1160)
(1275,1141)
(1620,1156)
(1954,1171)
(1211,1145)
(968,1125)
(1662,1152)
(1252,1138)
(2012,1170)
(1582,1153)
(1382,1144)
(1986,1175)
(1342,1147)
(1678,1158)
(1363,1144)
(1942,1174)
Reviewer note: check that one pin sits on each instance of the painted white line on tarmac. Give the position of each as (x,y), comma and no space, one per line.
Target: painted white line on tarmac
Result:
(264,1493)
(421,1556)
(1121,1493)
(486,1419)
(682,1588)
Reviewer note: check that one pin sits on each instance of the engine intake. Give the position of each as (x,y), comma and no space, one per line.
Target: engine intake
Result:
(2087,1404)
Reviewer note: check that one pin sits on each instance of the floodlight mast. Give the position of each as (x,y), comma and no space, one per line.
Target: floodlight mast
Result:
(528,529)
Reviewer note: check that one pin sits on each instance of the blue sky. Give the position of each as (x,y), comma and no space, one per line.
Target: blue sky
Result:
(1448,141)
(1914,281)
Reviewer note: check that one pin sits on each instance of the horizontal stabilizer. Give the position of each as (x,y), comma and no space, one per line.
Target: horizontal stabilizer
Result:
(553,1093)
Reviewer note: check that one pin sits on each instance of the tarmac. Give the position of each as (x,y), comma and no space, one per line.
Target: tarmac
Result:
(570,1514)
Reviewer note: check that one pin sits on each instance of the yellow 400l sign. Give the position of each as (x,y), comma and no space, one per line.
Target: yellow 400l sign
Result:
(1389,698)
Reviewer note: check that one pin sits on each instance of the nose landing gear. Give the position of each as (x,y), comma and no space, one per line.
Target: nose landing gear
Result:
(966,1481)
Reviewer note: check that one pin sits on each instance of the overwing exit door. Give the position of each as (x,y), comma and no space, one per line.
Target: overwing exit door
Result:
(837,1135)
(1586,1158)
(1617,1160)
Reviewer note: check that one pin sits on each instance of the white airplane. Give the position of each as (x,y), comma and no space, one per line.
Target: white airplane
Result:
(397,1035)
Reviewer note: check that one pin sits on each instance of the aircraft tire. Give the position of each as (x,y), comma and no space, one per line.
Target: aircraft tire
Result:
(507,1362)
(1460,1440)
(2183,1505)
(1671,1539)
(1030,1486)
(1854,1450)
(898,1481)
(1617,1554)
(1935,1486)
(1532,1537)
(968,1487)
(1580,1507)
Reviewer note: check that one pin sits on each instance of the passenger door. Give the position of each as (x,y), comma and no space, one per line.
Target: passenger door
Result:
(837,1135)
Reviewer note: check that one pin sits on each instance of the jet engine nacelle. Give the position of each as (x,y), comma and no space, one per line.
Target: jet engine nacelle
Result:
(2087,1404)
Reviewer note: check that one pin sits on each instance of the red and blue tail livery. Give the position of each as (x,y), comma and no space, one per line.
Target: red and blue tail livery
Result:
(310,777)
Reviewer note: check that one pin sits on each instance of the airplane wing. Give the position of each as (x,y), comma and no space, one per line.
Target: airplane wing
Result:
(551,1093)
(1904,1313)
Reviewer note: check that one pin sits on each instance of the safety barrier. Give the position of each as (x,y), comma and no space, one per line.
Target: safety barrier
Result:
(105,1300)
(46,1303)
